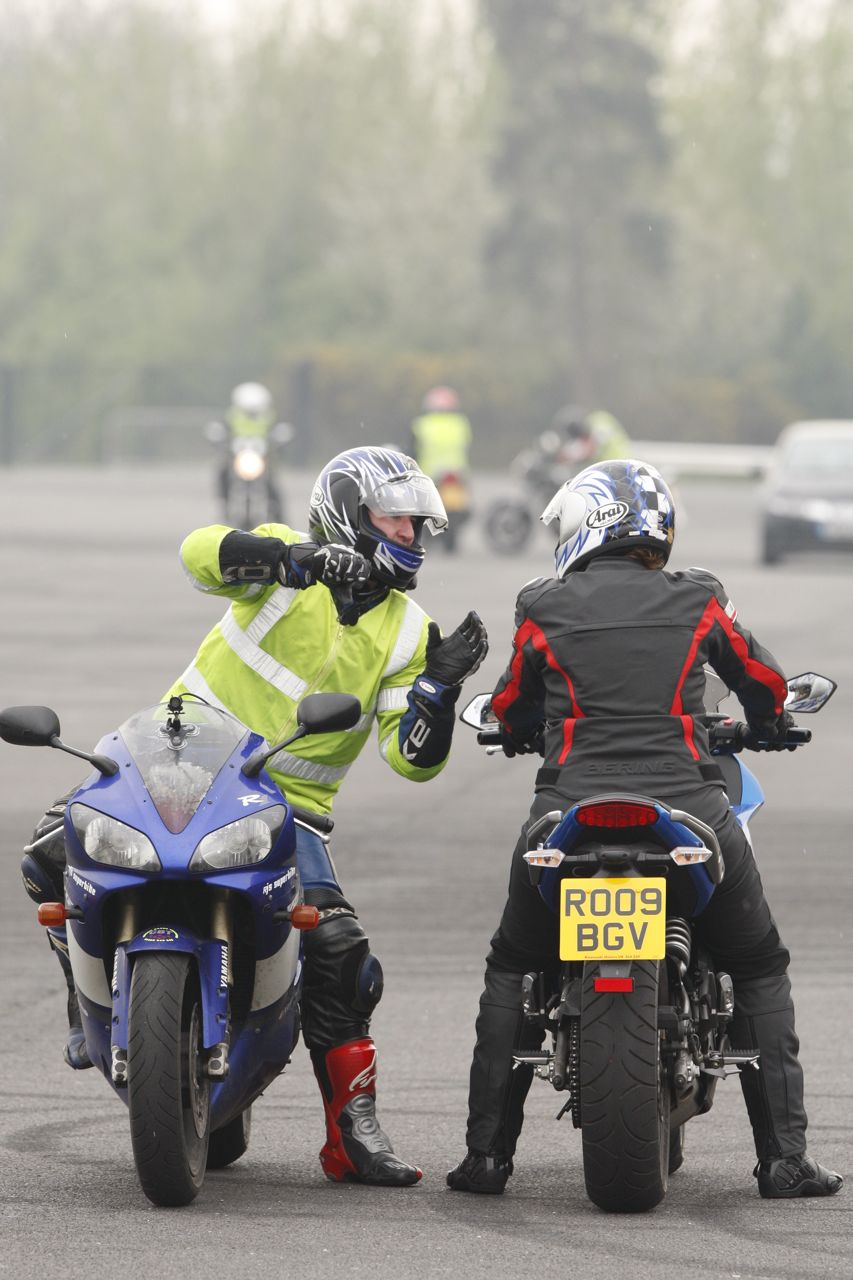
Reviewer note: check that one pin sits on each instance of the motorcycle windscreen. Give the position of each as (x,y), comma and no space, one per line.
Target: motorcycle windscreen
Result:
(178,757)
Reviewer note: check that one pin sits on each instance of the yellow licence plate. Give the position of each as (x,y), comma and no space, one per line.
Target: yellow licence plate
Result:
(613,919)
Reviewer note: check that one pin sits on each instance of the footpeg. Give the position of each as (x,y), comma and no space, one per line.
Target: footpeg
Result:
(539,1060)
(730,1062)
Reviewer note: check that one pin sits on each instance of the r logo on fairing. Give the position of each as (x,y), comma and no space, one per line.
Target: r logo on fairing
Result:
(610,513)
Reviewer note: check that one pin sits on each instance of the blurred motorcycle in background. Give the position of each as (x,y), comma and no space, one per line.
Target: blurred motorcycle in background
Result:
(247,488)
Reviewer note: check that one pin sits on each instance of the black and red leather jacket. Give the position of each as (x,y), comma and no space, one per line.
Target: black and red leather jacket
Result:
(611,658)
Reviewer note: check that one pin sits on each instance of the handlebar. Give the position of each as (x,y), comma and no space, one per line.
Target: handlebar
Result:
(728,737)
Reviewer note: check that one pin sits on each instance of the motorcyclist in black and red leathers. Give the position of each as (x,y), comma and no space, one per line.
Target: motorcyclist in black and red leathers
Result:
(608,656)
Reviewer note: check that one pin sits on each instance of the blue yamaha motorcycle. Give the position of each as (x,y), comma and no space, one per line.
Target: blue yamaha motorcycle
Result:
(636,1022)
(183,906)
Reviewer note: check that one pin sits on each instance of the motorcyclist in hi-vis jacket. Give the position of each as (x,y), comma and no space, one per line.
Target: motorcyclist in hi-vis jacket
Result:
(330,613)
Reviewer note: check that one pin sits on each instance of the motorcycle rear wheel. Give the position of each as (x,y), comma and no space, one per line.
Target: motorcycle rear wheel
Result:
(625,1105)
(168,1088)
(508,525)
(231,1141)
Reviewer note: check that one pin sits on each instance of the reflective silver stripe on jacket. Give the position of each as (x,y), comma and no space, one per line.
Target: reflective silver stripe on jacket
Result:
(310,770)
(407,639)
(393,699)
(194,681)
(244,645)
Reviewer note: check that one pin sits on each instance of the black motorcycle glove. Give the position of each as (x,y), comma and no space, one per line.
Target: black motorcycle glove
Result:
(303,563)
(513,747)
(770,737)
(451,660)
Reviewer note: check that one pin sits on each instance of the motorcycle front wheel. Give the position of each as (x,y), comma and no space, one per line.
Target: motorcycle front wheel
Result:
(625,1104)
(168,1087)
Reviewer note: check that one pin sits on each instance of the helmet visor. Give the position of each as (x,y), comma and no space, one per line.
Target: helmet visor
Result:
(565,512)
(409,494)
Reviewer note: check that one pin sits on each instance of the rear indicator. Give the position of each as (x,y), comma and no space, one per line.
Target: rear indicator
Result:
(613,984)
(617,814)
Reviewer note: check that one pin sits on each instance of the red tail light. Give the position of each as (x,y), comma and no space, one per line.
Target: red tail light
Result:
(613,984)
(619,813)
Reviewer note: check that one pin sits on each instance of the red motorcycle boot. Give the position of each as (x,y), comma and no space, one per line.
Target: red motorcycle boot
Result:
(356,1149)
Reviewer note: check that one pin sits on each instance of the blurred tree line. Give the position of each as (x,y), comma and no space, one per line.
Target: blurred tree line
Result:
(534,202)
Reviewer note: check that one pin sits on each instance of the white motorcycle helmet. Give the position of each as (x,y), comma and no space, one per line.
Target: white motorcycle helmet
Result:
(610,507)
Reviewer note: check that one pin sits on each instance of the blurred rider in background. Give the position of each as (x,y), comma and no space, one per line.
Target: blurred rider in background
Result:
(250,416)
(441,442)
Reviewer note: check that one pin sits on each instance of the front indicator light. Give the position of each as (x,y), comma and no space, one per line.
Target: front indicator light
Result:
(304,917)
(51,913)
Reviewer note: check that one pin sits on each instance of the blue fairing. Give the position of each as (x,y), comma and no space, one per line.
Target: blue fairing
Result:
(569,833)
(752,797)
(175,821)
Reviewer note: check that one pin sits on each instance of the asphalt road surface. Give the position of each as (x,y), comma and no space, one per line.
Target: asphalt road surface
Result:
(97,619)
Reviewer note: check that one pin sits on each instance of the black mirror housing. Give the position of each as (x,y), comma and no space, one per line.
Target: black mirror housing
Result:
(29,726)
(328,712)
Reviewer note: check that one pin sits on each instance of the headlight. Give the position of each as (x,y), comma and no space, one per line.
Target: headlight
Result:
(112,842)
(241,843)
(248,464)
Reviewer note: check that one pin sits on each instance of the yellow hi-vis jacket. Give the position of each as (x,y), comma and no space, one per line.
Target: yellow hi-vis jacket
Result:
(274,645)
(441,442)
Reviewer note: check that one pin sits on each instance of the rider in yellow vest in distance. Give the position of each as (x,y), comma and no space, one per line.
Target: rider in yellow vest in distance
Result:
(441,442)
(248,435)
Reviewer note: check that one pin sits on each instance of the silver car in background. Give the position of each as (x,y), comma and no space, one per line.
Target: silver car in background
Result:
(808,498)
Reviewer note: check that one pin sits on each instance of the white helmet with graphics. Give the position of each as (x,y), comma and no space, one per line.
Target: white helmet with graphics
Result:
(613,506)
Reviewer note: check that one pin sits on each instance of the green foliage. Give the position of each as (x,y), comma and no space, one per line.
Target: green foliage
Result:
(355,201)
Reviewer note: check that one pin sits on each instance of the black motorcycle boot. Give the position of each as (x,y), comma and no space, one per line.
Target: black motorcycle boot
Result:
(498,1089)
(795,1176)
(773,1091)
(483,1175)
(75,1052)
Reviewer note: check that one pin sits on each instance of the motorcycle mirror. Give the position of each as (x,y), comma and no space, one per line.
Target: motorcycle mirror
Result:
(39,727)
(215,432)
(282,433)
(328,712)
(29,726)
(716,689)
(478,713)
(809,692)
(318,713)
